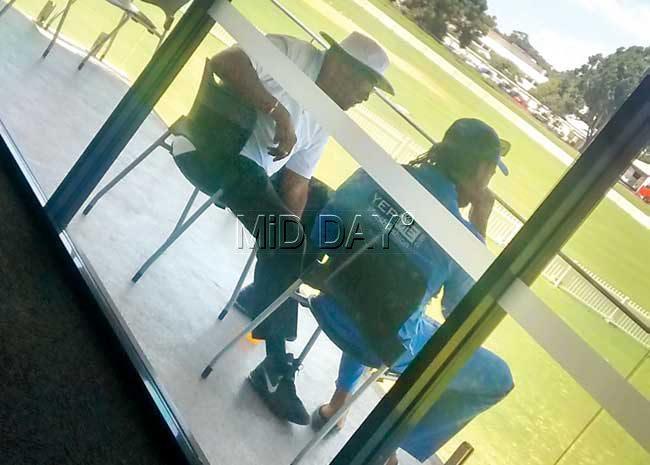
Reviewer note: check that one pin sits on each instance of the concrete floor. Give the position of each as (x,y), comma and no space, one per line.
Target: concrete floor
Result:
(52,112)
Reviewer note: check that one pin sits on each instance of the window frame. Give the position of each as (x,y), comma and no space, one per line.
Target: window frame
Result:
(566,206)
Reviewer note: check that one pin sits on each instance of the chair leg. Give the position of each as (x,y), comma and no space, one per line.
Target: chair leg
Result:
(108,46)
(59,26)
(63,14)
(186,209)
(6,7)
(301,299)
(162,37)
(47,9)
(100,43)
(461,454)
(170,239)
(124,172)
(268,311)
(51,19)
(176,233)
(312,340)
(239,285)
(337,416)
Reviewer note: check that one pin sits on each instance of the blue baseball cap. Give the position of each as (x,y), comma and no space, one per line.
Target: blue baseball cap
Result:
(473,136)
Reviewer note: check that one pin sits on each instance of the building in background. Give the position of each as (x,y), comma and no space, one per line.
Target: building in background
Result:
(534,74)
(637,175)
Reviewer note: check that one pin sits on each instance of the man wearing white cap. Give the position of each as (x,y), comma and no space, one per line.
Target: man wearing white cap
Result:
(285,135)
(284,140)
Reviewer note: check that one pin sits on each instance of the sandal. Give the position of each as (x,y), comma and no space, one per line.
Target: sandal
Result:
(318,421)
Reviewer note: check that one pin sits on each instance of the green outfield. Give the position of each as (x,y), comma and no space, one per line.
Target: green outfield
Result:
(547,409)
(470,72)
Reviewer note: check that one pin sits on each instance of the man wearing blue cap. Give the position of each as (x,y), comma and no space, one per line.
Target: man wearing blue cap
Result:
(456,172)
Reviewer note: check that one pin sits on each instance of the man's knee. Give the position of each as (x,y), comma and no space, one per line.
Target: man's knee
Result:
(503,380)
(486,375)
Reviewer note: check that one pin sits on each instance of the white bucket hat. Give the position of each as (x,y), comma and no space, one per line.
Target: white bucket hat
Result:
(368,54)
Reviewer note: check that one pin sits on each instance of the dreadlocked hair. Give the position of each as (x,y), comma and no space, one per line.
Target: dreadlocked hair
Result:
(427,158)
(457,165)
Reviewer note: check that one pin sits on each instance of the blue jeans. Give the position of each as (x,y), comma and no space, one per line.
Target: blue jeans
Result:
(480,384)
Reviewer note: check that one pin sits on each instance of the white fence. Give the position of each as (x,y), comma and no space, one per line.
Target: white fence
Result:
(564,276)
(502,227)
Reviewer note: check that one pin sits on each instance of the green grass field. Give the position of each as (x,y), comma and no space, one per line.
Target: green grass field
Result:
(437,100)
(547,409)
(470,72)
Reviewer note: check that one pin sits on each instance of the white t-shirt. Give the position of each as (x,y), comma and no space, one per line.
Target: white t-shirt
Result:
(311,137)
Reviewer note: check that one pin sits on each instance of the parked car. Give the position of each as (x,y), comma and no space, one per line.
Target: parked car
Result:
(505,86)
(543,117)
(520,101)
(644,193)
(485,71)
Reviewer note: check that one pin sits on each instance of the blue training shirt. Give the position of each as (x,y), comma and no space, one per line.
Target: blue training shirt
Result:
(360,194)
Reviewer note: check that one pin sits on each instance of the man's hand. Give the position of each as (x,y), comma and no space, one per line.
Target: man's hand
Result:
(285,134)
(482,206)
(233,67)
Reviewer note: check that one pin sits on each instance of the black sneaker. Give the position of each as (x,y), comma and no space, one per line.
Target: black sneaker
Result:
(276,386)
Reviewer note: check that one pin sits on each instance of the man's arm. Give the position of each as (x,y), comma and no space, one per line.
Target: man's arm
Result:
(481,210)
(234,67)
(293,191)
(455,287)
(458,283)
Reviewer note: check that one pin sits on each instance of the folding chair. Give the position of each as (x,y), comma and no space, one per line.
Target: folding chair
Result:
(62,15)
(353,276)
(132,12)
(209,98)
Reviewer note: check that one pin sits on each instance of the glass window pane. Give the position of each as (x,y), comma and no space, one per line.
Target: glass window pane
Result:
(169,276)
(599,286)
(548,418)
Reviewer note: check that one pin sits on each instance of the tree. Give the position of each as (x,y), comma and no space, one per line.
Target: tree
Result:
(472,20)
(506,66)
(605,82)
(468,17)
(600,86)
(561,94)
(520,39)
